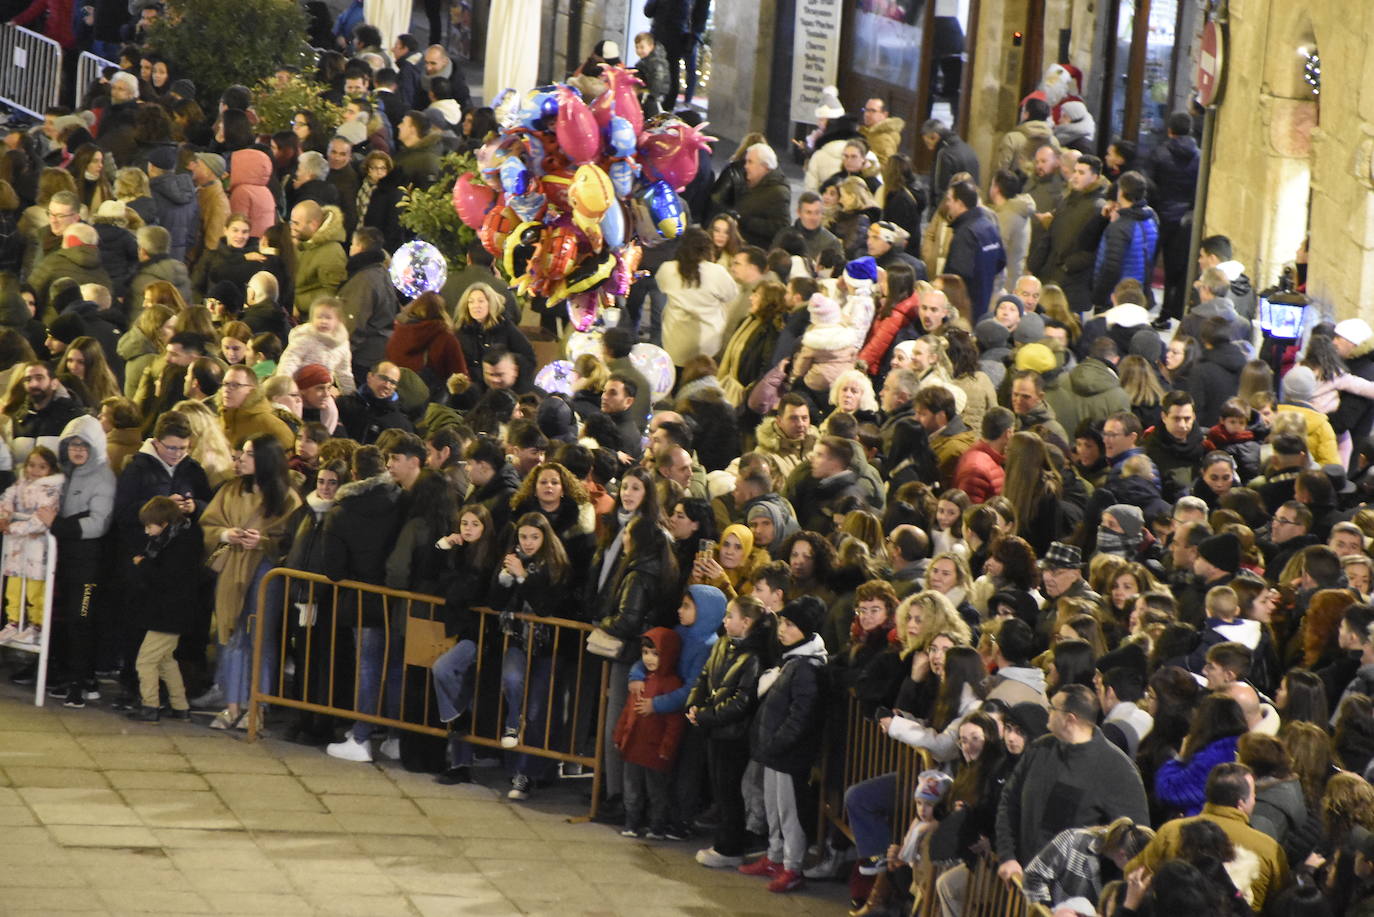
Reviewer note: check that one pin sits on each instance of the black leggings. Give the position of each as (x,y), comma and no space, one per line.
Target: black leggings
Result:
(726,759)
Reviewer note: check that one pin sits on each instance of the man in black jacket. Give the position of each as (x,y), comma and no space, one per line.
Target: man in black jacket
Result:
(375,406)
(952,156)
(762,208)
(617,400)
(46,409)
(494,480)
(831,480)
(975,249)
(1067,249)
(369,300)
(359,531)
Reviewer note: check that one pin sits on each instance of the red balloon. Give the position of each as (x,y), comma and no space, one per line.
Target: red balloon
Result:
(669,152)
(555,187)
(620,99)
(472,199)
(499,223)
(579,138)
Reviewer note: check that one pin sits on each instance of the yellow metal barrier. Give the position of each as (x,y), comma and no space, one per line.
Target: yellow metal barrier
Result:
(571,670)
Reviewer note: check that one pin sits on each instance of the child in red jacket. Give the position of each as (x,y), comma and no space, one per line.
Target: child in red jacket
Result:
(648,742)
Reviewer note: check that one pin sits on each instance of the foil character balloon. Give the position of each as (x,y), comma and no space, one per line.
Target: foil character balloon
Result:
(515,177)
(623,173)
(619,99)
(528,206)
(613,226)
(519,248)
(591,194)
(582,310)
(472,200)
(579,137)
(555,187)
(668,215)
(621,137)
(499,222)
(534,145)
(669,152)
(489,162)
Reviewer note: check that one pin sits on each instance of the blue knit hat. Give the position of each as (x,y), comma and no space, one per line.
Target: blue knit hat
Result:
(861,269)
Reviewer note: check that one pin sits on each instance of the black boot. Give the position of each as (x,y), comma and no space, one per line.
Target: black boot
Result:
(145,715)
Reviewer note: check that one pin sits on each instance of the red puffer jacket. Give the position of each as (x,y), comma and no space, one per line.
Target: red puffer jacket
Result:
(979,472)
(884,330)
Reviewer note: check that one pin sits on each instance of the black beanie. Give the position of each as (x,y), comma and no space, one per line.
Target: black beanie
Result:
(806,612)
(1221,551)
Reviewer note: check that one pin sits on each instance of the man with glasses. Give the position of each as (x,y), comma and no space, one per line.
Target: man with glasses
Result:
(1120,432)
(247,414)
(375,406)
(882,130)
(1076,780)
(163,467)
(77,254)
(47,409)
(1290,531)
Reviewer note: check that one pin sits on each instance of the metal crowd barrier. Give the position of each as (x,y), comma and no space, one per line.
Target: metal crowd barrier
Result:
(40,649)
(88,69)
(566,734)
(868,753)
(30,70)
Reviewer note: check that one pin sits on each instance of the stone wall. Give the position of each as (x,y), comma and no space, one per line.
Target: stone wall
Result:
(1276,150)
(742,62)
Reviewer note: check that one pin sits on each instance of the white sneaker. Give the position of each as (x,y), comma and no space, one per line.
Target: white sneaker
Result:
(519,787)
(9,632)
(510,738)
(391,748)
(350,749)
(709,857)
(29,636)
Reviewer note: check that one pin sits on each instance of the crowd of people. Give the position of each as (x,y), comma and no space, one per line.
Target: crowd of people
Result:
(931,458)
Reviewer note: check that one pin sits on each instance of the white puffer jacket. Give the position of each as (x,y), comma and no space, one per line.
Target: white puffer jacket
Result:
(307,345)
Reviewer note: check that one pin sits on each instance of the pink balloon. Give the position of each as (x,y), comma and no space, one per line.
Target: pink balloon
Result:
(669,152)
(621,97)
(578,135)
(472,199)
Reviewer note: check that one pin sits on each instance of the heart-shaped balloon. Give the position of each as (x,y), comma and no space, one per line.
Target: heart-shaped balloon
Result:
(472,200)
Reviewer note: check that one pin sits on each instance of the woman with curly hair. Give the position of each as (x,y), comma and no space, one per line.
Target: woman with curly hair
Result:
(1125,585)
(924,615)
(871,668)
(948,574)
(852,393)
(812,561)
(747,354)
(551,490)
(967,375)
(1011,566)
(209,446)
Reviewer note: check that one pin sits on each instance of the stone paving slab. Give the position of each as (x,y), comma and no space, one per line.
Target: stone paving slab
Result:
(114,818)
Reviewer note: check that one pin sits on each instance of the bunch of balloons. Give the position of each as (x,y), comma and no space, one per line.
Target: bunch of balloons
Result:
(568,195)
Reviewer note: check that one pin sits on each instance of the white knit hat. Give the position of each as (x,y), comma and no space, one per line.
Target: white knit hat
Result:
(829,106)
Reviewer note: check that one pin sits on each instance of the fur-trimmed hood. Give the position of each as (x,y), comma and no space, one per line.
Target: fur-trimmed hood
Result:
(331,229)
(307,333)
(829,337)
(383,481)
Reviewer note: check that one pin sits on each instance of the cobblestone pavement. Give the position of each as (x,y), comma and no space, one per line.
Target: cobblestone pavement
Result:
(101,816)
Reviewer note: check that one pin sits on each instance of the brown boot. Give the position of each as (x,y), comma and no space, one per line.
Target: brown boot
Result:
(880,899)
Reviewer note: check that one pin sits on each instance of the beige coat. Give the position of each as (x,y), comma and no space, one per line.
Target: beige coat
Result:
(232,507)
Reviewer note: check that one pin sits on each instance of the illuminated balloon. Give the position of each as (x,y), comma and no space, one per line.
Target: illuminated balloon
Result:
(582,310)
(556,377)
(579,137)
(472,200)
(519,248)
(669,152)
(418,267)
(656,366)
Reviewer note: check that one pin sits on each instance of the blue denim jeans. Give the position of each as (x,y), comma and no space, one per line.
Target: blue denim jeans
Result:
(869,807)
(453,680)
(535,711)
(234,669)
(382,662)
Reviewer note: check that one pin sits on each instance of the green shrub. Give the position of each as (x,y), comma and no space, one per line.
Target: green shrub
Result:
(276,104)
(223,43)
(428,212)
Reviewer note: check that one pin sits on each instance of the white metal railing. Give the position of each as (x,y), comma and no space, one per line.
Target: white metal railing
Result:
(30,70)
(88,69)
(19,616)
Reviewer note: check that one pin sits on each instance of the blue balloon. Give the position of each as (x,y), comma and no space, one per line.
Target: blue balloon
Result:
(515,178)
(613,226)
(548,105)
(669,216)
(622,136)
(623,173)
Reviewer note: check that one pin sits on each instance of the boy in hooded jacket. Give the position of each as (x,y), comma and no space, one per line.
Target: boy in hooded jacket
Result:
(648,742)
(787,737)
(699,616)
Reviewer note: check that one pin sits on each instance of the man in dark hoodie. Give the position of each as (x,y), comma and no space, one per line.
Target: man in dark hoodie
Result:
(178,208)
(1173,168)
(1217,372)
(1175,446)
(494,480)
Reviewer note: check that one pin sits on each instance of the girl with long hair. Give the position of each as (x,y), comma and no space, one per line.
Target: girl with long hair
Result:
(245,528)
(533,581)
(1055,304)
(1217,726)
(1034,488)
(209,446)
(1301,698)
(1140,382)
(895,321)
(93,183)
(725,238)
(699,292)
(689,524)
(746,355)
(84,358)
(416,561)
(551,490)
(1180,356)
(966,373)
(481,322)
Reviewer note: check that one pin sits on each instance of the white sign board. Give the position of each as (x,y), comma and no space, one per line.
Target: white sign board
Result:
(815,55)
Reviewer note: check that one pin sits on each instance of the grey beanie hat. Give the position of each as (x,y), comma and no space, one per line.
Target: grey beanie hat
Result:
(1031,329)
(1300,384)
(1148,344)
(991,334)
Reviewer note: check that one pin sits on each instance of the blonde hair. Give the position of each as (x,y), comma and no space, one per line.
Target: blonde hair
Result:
(496,305)
(209,445)
(867,401)
(130,184)
(1138,466)
(938,616)
(592,373)
(1055,305)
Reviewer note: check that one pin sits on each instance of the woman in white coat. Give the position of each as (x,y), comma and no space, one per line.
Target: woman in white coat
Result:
(699,293)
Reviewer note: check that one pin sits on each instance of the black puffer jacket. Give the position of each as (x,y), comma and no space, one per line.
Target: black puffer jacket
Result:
(495,494)
(786,734)
(146,477)
(630,602)
(727,688)
(466,585)
(477,339)
(359,532)
(1215,377)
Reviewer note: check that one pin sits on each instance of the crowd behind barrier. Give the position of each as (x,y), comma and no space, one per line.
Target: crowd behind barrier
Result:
(894,535)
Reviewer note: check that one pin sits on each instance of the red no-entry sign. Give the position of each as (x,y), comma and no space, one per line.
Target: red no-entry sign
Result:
(1211,64)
